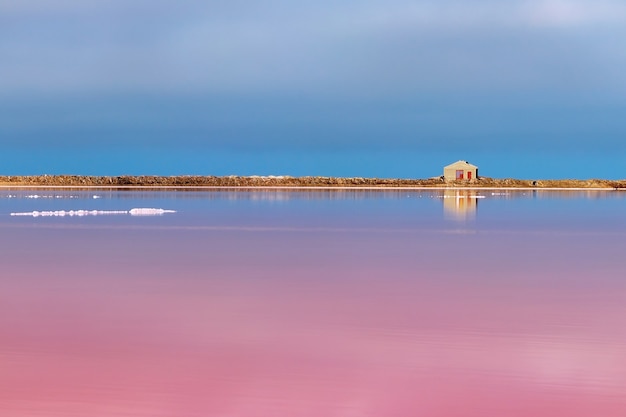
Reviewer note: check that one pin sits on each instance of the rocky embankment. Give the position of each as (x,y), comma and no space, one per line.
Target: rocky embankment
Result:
(286,181)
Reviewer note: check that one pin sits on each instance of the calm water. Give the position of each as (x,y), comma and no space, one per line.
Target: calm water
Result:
(318,303)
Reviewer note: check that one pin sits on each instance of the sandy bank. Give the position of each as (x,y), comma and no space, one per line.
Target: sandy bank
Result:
(295,182)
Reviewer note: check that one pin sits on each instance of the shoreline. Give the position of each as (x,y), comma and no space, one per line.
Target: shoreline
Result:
(289,188)
(298,183)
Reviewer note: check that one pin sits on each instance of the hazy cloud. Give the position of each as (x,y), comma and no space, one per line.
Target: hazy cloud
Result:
(351,47)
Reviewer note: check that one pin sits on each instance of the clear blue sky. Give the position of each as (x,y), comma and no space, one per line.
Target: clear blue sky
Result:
(394,88)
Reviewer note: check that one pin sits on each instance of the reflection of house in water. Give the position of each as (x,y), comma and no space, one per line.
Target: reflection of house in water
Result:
(460,204)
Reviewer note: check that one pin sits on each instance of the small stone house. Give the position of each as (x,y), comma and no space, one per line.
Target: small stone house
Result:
(460,171)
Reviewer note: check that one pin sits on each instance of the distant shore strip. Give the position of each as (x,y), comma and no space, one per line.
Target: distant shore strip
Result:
(143,181)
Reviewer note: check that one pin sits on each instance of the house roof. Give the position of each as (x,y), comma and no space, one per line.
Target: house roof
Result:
(461,165)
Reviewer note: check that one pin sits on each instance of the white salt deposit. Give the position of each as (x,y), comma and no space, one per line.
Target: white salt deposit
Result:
(38,196)
(459,197)
(269,177)
(70,213)
(82,213)
(149,212)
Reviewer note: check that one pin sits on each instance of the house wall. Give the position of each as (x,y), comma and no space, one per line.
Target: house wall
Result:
(449,173)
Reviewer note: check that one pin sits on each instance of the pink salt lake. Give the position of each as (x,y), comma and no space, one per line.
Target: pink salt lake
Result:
(326,303)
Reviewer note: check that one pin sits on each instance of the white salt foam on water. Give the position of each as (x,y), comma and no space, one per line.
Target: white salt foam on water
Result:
(149,212)
(70,213)
(40,196)
(82,213)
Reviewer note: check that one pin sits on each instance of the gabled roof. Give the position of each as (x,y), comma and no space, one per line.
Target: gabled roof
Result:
(461,165)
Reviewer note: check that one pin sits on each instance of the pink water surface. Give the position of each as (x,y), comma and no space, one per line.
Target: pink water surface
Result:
(122,321)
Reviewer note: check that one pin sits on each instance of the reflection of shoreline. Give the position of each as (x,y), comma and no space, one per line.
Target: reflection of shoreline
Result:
(460,204)
(18,187)
(284,193)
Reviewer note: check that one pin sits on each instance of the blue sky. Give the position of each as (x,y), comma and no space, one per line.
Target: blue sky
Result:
(395,88)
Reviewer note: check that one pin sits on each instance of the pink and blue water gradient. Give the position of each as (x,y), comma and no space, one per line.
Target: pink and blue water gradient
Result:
(313,303)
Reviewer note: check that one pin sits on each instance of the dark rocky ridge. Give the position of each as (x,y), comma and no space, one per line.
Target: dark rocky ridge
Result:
(286,181)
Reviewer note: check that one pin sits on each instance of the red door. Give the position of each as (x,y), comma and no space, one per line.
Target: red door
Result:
(469,175)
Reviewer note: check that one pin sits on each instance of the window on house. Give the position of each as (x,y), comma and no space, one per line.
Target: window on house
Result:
(459,174)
